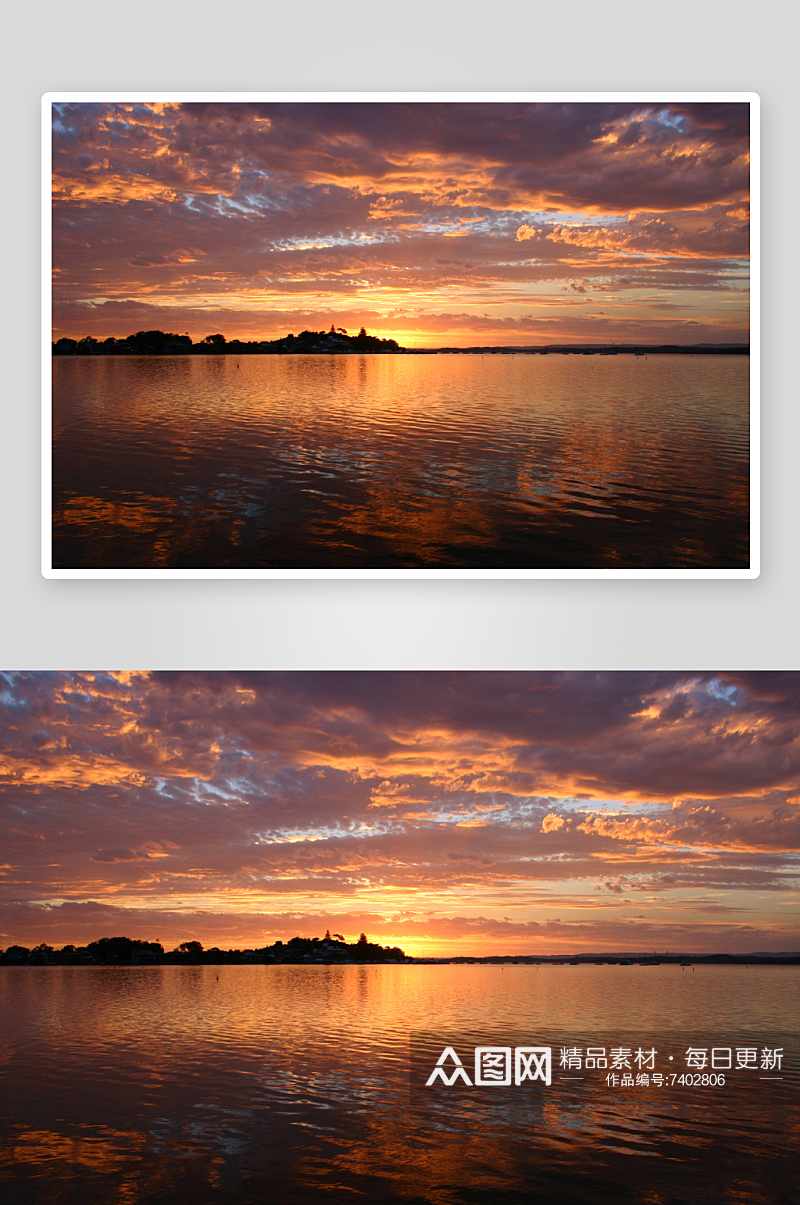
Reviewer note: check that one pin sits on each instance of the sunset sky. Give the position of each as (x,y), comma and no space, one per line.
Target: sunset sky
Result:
(445,812)
(439,224)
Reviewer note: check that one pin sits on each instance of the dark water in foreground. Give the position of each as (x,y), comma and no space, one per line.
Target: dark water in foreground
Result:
(358,462)
(285,1085)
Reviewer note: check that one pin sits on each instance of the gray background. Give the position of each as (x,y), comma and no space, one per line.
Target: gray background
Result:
(448,45)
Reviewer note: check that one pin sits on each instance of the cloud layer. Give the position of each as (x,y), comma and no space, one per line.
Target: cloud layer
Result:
(436,222)
(443,810)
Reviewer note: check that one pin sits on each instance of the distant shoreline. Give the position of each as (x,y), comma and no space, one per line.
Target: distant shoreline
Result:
(595,349)
(230,349)
(621,959)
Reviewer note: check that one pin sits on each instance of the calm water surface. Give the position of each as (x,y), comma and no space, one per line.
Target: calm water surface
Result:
(285,1085)
(449,461)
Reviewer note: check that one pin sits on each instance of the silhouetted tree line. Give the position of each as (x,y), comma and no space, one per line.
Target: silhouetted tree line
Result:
(143,343)
(160,343)
(132,951)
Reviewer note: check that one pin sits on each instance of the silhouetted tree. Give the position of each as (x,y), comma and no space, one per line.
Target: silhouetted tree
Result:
(17,953)
(364,341)
(191,947)
(120,949)
(150,342)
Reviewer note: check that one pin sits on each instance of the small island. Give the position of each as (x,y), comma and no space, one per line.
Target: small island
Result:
(133,951)
(336,341)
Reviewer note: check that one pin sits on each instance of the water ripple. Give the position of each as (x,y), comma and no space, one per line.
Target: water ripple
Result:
(316,461)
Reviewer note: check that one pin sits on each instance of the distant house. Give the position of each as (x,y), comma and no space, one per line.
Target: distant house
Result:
(332,343)
(45,957)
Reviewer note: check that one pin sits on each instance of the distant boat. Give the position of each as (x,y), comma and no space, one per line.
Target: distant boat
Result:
(684,964)
(638,353)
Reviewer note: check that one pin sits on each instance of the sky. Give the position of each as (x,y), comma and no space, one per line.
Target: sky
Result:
(439,224)
(448,813)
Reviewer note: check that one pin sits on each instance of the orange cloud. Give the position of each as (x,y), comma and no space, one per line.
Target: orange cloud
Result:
(552,823)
